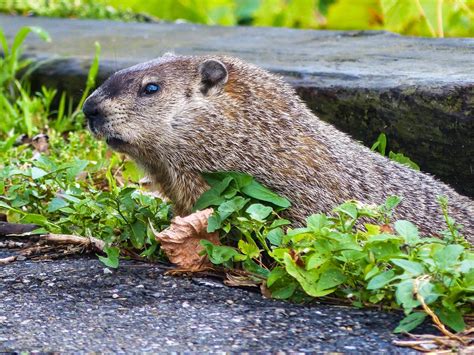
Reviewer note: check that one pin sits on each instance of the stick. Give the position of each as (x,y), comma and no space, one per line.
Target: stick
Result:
(8,260)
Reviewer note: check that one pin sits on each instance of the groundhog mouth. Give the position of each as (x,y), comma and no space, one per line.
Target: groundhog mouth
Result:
(115,143)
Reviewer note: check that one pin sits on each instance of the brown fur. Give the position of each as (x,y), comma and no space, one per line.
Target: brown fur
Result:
(253,122)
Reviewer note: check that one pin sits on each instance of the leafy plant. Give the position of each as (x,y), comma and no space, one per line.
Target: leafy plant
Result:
(352,253)
(380,146)
(70,187)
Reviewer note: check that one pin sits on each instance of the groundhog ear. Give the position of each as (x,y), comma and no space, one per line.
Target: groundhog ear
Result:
(213,75)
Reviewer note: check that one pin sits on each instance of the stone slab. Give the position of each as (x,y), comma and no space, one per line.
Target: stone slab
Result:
(419,91)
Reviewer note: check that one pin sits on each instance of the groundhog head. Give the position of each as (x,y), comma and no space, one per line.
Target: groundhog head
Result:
(140,107)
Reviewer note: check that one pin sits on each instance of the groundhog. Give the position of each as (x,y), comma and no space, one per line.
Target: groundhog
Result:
(179,116)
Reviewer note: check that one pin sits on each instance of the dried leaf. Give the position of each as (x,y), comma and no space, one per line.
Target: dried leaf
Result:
(241,281)
(180,241)
(386,228)
(297,258)
(266,293)
(8,260)
(41,143)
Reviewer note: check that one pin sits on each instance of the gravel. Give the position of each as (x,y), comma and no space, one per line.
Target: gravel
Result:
(77,304)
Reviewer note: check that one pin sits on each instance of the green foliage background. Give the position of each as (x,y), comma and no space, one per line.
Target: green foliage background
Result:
(433,18)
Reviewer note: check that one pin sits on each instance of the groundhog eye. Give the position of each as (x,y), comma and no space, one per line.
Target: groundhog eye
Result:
(152,89)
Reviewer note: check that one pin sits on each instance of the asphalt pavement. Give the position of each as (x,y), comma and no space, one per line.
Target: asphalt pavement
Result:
(76,304)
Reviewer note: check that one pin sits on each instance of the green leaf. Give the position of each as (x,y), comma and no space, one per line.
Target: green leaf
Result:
(402,159)
(426,291)
(407,230)
(41,33)
(316,222)
(381,280)
(410,322)
(240,179)
(231,206)
(466,266)
(249,249)
(252,267)
(73,169)
(212,197)
(275,236)
(112,259)
(131,171)
(330,278)
(224,211)
(452,318)
(285,291)
(404,295)
(259,212)
(380,144)
(281,285)
(37,173)
(411,267)
(348,208)
(307,279)
(218,254)
(138,235)
(259,192)
(373,270)
(448,256)
(214,222)
(94,69)
(56,204)
(276,274)
(384,238)
(35,219)
(279,222)
(315,260)
(392,202)
(5,205)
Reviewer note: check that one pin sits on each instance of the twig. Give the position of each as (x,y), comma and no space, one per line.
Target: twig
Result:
(91,242)
(430,312)
(7,260)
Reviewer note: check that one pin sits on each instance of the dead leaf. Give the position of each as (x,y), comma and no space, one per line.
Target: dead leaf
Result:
(297,258)
(41,143)
(266,293)
(7,260)
(181,240)
(387,228)
(241,280)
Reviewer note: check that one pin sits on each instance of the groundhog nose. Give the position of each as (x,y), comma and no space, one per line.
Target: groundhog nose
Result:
(90,108)
(93,113)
